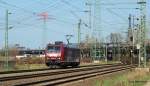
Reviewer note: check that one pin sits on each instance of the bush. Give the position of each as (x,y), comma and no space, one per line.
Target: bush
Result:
(31,60)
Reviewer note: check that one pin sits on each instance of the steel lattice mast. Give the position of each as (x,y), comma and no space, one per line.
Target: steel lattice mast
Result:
(142,39)
(96,28)
(44,16)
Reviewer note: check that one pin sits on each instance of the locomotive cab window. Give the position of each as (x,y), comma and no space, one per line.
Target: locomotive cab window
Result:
(53,48)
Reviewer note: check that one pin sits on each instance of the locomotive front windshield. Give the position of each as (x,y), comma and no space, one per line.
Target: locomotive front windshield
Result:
(53,48)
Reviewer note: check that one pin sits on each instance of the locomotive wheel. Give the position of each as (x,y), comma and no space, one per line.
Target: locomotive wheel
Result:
(47,64)
(57,66)
(75,65)
(63,66)
(50,66)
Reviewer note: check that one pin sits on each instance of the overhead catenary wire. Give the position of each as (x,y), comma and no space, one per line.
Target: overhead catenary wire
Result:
(51,5)
(23,9)
(117,3)
(70,9)
(63,1)
(30,17)
(42,3)
(74,12)
(117,15)
(71,5)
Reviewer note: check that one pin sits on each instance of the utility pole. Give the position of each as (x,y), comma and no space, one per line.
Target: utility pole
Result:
(142,52)
(6,42)
(106,46)
(89,4)
(79,32)
(79,36)
(130,36)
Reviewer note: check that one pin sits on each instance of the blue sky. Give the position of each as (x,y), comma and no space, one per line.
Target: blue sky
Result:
(63,19)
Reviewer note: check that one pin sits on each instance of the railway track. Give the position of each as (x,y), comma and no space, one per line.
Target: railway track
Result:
(56,77)
(44,69)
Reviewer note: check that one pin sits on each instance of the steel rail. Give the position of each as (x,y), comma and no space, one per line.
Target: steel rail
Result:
(54,75)
(71,78)
(6,77)
(34,70)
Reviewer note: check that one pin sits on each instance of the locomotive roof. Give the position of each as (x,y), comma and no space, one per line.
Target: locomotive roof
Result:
(71,45)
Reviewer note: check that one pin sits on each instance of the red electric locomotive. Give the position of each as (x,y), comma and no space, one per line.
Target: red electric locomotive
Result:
(62,55)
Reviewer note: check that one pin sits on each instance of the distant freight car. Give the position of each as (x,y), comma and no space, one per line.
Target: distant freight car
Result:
(62,55)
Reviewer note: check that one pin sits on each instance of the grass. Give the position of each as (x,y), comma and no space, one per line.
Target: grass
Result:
(22,64)
(133,78)
(24,67)
(32,63)
(39,66)
(30,66)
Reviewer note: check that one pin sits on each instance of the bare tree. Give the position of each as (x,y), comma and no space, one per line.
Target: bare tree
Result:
(116,40)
